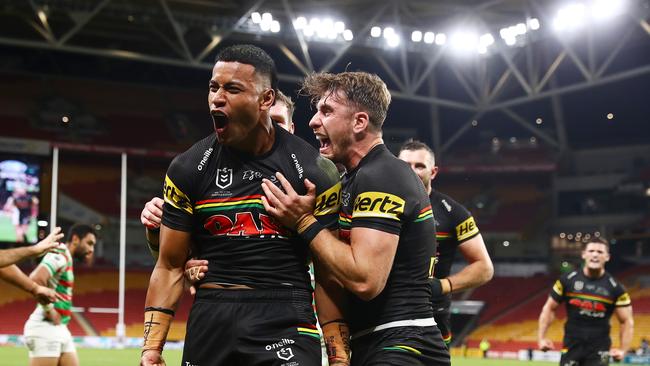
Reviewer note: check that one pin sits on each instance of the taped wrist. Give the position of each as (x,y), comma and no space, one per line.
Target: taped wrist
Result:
(156,326)
(337,341)
(308,227)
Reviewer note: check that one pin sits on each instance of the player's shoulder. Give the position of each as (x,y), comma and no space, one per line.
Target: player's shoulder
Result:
(306,157)
(448,202)
(381,167)
(611,280)
(569,276)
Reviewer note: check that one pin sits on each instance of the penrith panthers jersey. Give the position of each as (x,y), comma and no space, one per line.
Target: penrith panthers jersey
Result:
(590,303)
(215,193)
(383,193)
(454,225)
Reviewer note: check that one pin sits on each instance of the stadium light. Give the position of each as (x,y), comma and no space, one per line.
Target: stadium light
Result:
(375,32)
(275,26)
(570,17)
(347,35)
(388,32)
(533,23)
(300,23)
(326,29)
(393,40)
(256,17)
(429,37)
(464,41)
(416,36)
(441,39)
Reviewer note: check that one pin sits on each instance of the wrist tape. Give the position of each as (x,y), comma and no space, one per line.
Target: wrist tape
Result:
(156,326)
(308,227)
(337,341)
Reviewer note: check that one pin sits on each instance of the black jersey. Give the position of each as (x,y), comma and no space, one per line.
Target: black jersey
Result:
(454,225)
(590,303)
(215,193)
(383,193)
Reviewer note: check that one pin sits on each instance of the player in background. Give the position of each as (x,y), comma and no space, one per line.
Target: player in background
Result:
(46,332)
(591,295)
(456,230)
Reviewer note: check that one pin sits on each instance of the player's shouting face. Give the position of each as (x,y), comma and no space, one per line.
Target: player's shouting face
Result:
(595,256)
(333,125)
(237,99)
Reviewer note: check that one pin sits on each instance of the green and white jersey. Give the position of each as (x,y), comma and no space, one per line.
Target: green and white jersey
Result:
(59,264)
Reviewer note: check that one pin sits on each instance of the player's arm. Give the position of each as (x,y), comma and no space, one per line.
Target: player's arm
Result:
(479,269)
(362,266)
(165,289)
(151,218)
(16,277)
(546,317)
(15,255)
(626,320)
(41,275)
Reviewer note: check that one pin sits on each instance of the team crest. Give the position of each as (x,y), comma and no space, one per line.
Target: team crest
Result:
(285,354)
(224,177)
(578,285)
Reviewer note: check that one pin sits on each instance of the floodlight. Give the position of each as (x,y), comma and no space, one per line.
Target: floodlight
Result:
(347,35)
(256,17)
(520,29)
(569,17)
(533,23)
(604,9)
(486,40)
(275,26)
(393,40)
(388,32)
(267,18)
(441,39)
(416,36)
(375,32)
(429,37)
(300,23)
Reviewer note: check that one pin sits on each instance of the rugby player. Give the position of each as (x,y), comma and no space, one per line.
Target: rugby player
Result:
(46,332)
(385,250)
(253,305)
(591,295)
(456,230)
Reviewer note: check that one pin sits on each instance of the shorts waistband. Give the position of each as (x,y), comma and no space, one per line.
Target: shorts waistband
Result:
(425,322)
(254,295)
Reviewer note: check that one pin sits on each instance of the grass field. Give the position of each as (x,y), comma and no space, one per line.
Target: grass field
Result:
(17,356)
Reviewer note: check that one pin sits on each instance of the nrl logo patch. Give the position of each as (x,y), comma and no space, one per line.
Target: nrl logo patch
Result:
(224,177)
(285,354)
(578,285)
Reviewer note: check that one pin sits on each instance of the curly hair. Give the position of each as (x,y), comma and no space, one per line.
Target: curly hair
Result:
(365,91)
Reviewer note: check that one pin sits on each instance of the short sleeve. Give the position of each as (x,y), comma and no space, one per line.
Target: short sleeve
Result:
(622,297)
(54,262)
(557,292)
(178,209)
(328,192)
(464,224)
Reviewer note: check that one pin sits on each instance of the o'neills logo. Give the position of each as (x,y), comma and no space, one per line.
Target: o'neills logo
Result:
(282,343)
(206,155)
(297,164)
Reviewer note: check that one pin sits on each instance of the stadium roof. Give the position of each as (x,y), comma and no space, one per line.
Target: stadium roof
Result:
(544,69)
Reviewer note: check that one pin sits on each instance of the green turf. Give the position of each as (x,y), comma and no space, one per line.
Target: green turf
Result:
(17,356)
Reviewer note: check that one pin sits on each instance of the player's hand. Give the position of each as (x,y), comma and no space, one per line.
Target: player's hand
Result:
(617,354)
(44,295)
(50,242)
(53,316)
(287,207)
(195,270)
(545,344)
(152,213)
(152,357)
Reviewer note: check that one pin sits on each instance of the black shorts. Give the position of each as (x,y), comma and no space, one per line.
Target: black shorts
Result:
(443,320)
(402,346)
(252,327)
(581,352)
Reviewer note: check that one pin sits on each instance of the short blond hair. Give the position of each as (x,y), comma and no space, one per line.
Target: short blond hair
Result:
(365,91)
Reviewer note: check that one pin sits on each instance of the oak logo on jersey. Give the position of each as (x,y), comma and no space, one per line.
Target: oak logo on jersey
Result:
(378,204)
(176,197)
(224,177)
(329,201)
(466,229)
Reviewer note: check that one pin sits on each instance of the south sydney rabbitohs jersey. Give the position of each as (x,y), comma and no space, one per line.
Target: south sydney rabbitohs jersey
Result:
(454,225)
(590,303)
(383,193)
(215,193)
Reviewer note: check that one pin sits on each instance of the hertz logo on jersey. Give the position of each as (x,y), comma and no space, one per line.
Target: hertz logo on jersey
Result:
(466,229)
(328,202)
(378,204)
(176,197)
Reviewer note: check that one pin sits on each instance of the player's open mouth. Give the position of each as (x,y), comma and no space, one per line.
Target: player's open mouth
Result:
(220,120)
(324,143)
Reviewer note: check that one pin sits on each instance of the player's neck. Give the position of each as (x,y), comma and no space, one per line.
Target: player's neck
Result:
(593,273)
(260,140)
(360,149)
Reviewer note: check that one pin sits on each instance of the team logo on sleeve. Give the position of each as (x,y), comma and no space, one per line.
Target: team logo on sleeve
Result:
(224,177)
(558,288)
(623,300)
(329,201)
(466,229)
(176,197)
(378,204)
